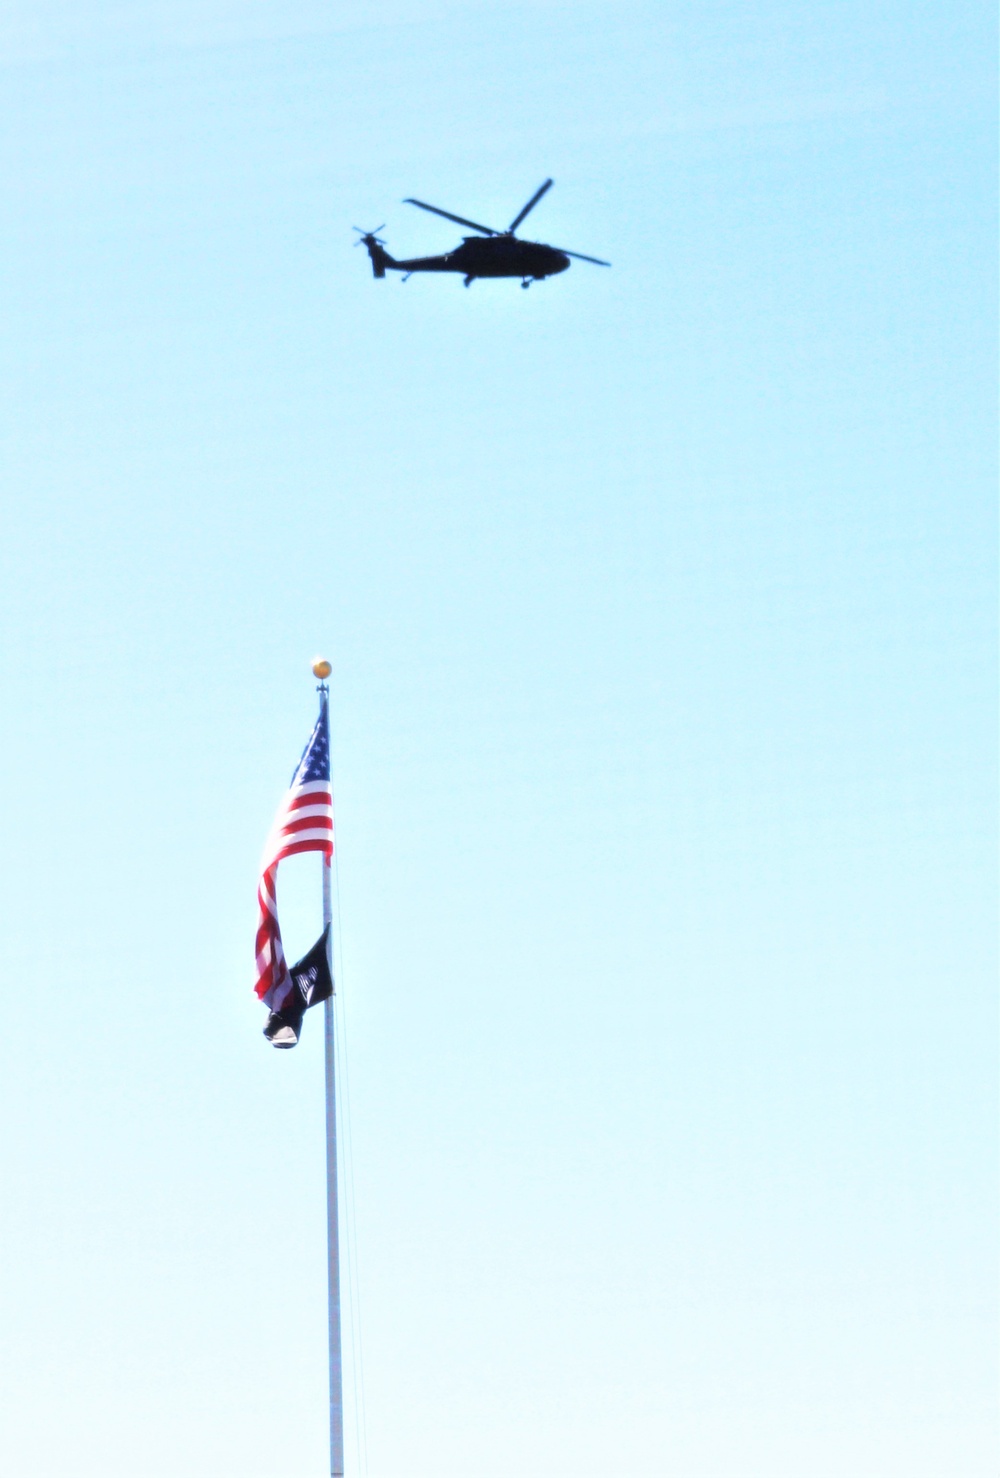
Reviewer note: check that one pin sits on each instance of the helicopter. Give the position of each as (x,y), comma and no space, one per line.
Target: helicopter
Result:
(490,254)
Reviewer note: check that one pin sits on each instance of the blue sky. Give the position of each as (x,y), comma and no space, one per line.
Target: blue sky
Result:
(661,603)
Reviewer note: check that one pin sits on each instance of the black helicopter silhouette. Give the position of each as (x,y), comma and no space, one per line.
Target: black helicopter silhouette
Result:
(491,254)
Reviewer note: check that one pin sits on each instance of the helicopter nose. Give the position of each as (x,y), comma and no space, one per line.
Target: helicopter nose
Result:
(561,261)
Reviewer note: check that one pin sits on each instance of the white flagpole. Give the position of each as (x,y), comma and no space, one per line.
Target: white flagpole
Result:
(322,670)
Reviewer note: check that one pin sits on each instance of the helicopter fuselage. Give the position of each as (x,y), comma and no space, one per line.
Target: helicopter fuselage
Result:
(489,256)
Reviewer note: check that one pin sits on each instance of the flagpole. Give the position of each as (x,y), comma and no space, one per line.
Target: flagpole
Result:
(321,669)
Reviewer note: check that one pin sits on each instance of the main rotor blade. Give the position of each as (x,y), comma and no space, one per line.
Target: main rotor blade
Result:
(487,230)
(581,258)
(530,205)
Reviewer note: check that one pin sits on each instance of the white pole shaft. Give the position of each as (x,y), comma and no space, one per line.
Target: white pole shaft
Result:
(332,1223)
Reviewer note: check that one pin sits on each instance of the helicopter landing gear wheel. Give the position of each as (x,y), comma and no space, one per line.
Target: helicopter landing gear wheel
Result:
(526,282)
(468,280)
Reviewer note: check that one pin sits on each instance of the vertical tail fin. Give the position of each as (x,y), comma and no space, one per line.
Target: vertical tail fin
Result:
(379,256)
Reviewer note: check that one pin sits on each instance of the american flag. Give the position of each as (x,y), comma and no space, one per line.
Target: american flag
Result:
(304,823)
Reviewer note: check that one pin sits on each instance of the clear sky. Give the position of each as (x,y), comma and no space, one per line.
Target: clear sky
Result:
(661,608)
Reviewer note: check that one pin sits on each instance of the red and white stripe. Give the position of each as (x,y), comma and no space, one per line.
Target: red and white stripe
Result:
(304,823)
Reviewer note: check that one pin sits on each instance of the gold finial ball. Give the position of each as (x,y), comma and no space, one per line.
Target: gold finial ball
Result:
(321,668)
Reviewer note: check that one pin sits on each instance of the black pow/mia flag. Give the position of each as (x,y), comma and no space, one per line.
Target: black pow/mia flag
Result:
(311,983)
